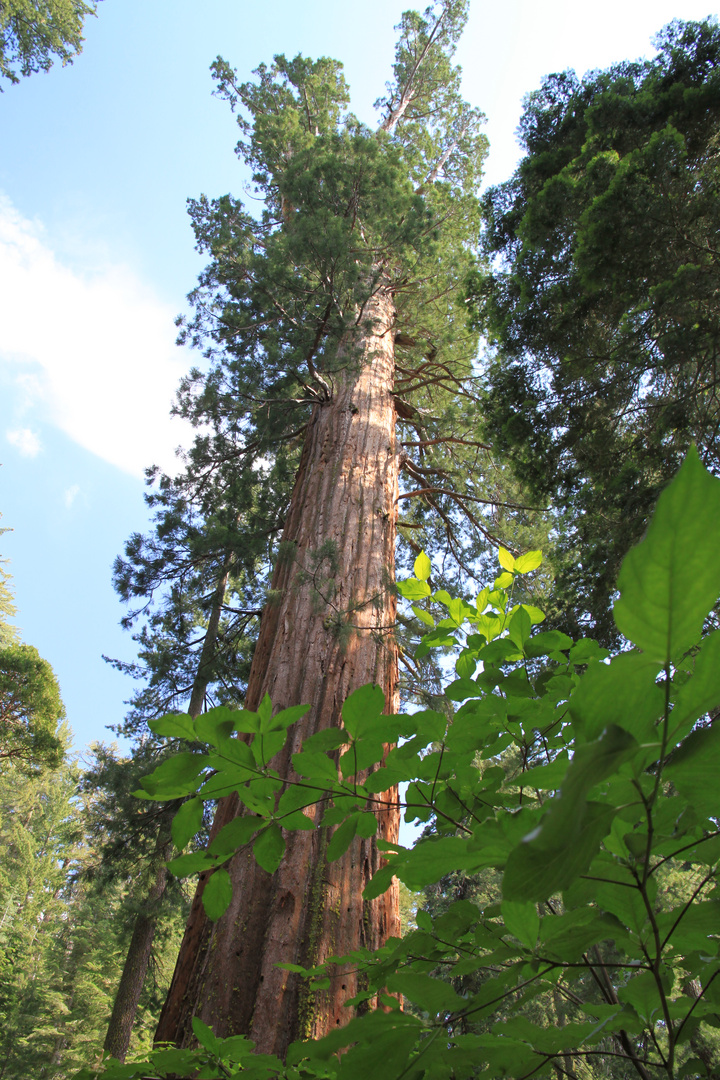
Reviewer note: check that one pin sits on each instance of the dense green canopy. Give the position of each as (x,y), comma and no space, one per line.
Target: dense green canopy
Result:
(603,304)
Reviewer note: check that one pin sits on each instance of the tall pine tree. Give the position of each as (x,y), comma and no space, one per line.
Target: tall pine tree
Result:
(335,318)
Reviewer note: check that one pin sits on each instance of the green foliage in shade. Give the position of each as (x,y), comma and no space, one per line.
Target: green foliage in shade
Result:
(33,33)
(569,781)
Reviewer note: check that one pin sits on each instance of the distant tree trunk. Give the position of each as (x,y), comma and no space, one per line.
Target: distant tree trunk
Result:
(132,980)
(312,651)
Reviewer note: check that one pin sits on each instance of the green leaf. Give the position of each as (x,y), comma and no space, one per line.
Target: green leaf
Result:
(424,616)
(669,582)
(248,723)
(694,769)
(413,589)
(367,825)
(217,894)
(176,776)
(195,862)
(187,822)
(702,691)
(342,838)
(235,834)
(283,719)
(519,628)
(535,873)
(379,883)
(328,739)
(546,642)
(269,848)
(215,725)
(522,920)
(623,693)
(315,766)
(362,709)
(524,564)
(505,559)
(422,568)
(504,581)
(432,995)
(174,727)
(204,1035)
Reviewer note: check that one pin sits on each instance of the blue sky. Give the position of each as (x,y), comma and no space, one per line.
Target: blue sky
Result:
(96,257)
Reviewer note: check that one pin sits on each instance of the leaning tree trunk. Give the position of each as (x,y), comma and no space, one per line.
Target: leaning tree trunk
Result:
(343,505)
(134,973)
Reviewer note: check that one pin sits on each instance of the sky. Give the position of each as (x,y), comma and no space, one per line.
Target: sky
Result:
(97,160)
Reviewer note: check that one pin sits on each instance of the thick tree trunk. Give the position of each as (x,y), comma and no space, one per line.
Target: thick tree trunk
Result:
(134,973)
(318,642)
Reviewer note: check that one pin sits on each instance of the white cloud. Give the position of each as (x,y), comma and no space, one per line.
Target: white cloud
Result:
(92,353)
(25,440)
(70,495)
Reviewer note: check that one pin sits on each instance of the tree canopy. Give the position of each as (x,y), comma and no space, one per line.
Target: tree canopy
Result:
(34,33)
(602,304)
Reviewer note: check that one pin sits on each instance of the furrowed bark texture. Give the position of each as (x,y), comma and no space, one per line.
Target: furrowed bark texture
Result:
(345,492)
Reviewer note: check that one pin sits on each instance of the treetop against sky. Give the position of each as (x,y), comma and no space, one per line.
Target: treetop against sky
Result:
(96,255)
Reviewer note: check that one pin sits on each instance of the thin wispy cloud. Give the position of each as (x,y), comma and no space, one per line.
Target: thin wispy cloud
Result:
(25,441)
(70,495)
(92,354)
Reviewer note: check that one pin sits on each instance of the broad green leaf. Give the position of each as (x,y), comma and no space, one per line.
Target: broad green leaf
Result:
(235,834)
(186,822)
(204,1035)
(519,628)
(482,600)
(195,862)
(505,559)
(269,848)
(217,894)
(702,691)
(315,766)
(669,582)
(424,616)
(379,883)
(413,589)
(367,825)
(535,873)
(215,725)
(422,568)
(546,642)
(283,719)
(465,664)
(524,564)
(174,727)
(246,722)
(176,776)
(694,769)
(362,709)
(342,838)
(432,995)
(623,693)
(642,993)
(522,920)
(328,739)
(504,581)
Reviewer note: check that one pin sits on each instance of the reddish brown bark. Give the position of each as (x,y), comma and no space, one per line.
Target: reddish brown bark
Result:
(345,492)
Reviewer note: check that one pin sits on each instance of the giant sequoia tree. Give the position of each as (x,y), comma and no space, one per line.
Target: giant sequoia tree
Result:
(331,320)
(604,303)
